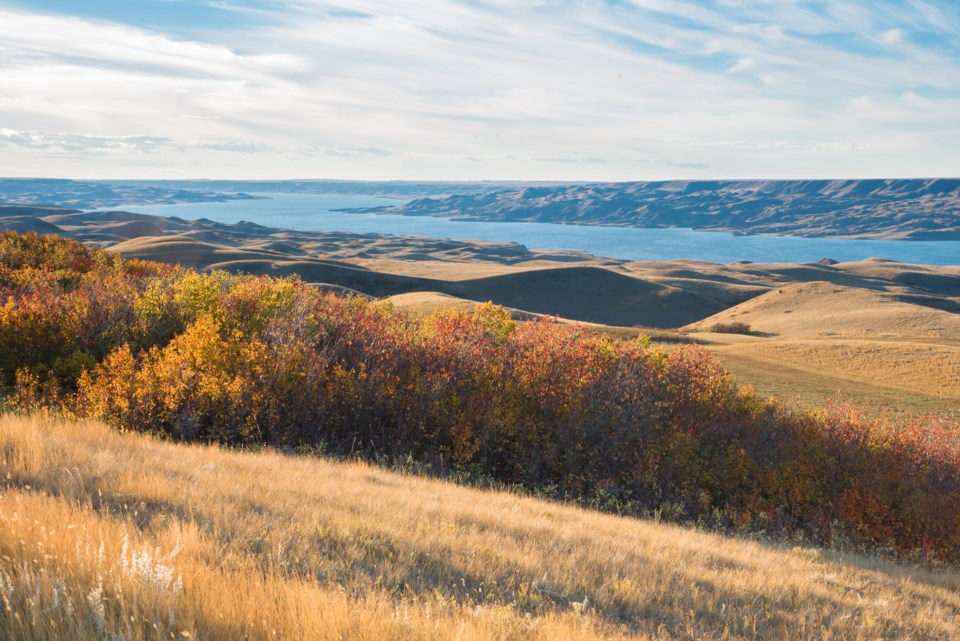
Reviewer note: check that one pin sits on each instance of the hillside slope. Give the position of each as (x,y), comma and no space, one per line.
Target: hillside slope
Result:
(591,293)
(660,294)
(822,309)
(106,535)
(880,343)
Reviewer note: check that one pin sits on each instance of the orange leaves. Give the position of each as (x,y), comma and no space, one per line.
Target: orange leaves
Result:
(203,384)
(26,391)
(109,391)
(46,253)
(556,363)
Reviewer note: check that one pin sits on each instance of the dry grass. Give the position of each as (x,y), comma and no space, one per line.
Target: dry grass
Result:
(829,340)
(809,388)
(107,536)
(928,369)
(824,310)
(884,376)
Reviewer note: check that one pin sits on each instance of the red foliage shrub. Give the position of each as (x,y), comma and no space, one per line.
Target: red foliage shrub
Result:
(231,359)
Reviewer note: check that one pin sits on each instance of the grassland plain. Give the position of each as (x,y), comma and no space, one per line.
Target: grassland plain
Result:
(119,536)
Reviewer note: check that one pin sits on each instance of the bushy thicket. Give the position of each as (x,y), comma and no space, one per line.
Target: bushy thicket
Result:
(222,358)
(736,327)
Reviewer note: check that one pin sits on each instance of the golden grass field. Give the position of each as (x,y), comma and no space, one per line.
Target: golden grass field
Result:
(819,340)
(892,376)
(110,536)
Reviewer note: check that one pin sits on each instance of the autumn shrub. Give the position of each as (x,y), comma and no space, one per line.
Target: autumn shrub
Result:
(624,425)
(63,306)
(736,327)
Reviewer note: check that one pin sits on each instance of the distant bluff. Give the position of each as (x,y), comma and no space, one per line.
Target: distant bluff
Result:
(916,209)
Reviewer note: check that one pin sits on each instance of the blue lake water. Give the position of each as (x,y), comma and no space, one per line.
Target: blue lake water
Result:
(314,212)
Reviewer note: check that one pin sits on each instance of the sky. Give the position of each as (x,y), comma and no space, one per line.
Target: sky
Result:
(479,89)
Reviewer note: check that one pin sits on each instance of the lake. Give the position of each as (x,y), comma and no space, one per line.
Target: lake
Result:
(314,212)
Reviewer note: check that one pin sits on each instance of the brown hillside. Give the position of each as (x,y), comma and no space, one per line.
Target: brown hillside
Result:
(590,294)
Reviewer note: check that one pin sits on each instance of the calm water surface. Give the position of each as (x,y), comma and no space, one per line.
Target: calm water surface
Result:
(314,212)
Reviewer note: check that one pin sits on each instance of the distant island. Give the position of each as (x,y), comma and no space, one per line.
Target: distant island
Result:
(399,189)
(100,194)
(908,209)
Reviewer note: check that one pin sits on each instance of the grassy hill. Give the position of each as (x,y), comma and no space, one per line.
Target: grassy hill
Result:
(108,536)
(820,309)
(115,536)
(889,377)
(818,339)
(567,412)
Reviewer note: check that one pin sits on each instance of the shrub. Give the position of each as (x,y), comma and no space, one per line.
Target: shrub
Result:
(730,328)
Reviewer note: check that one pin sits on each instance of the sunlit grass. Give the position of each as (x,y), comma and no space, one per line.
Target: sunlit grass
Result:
(107,536)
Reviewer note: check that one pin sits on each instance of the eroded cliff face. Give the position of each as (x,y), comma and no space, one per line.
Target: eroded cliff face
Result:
(907,208)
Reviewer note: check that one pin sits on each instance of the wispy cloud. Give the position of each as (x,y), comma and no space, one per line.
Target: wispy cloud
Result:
(892,36)
(742,65)
(90,144)
(359,152)
(232,146)
(812,145)
(328,88)
(82,143)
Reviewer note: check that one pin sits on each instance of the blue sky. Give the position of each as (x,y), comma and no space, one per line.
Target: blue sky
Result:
(479,89)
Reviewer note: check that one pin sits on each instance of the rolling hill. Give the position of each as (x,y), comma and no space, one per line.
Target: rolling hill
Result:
(822,309)
(891,305)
